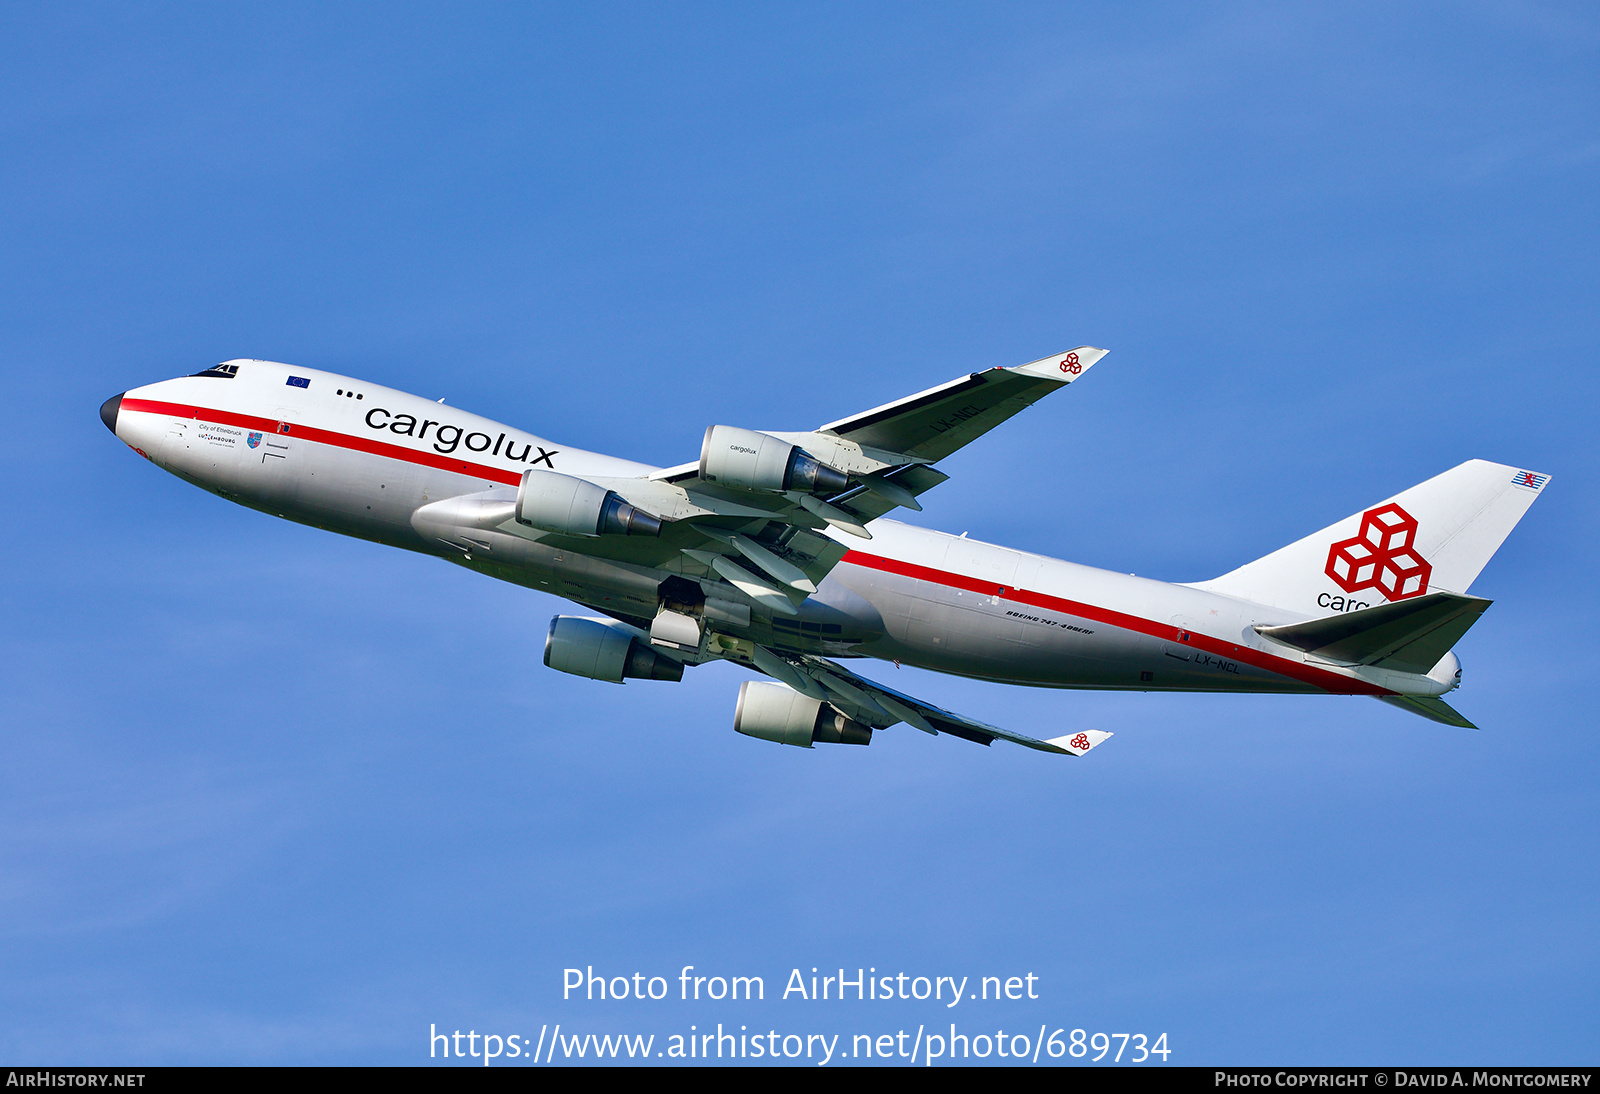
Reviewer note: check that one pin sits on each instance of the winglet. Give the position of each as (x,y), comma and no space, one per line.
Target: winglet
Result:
(1076,744)
(1063,367)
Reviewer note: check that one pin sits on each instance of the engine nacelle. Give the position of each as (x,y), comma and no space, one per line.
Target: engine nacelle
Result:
(577,507)
(774,712)
(604,650)
(747,460)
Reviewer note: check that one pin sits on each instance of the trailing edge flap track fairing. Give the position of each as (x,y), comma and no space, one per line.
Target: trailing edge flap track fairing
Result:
(774,550)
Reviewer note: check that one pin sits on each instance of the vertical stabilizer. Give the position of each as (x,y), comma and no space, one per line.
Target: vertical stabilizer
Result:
(1436,536)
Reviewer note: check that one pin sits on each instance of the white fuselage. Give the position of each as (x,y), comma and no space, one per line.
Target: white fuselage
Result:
(362,460)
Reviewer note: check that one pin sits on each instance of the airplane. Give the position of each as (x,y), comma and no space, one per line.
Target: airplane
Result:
(774,550)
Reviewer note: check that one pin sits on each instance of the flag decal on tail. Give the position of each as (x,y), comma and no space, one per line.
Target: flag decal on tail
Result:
(1529,480)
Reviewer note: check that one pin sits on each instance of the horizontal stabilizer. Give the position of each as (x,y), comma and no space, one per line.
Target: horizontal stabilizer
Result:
(1406,636)
(1433,709)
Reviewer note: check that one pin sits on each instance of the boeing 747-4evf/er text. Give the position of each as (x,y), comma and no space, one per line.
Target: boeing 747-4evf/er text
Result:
(773,550)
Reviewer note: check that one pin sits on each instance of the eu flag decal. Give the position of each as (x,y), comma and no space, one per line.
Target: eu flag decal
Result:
(299,381)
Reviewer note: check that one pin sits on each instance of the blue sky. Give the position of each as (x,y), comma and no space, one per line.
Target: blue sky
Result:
(273,796)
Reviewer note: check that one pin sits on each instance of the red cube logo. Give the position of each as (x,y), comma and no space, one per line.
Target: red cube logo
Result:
(1380,556)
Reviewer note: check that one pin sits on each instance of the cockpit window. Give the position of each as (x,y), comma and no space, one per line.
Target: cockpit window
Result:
(226,372)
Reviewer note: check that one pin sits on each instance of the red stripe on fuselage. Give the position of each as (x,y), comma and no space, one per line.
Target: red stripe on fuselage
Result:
(327,436)
(1328,681)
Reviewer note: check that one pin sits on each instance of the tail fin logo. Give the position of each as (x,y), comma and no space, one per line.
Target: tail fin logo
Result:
(1381,556)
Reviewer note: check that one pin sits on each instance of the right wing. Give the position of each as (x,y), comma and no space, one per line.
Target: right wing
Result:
(874,705)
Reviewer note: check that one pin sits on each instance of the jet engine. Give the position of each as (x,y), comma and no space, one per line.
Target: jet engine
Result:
(578,507)
(747,460)
(774,712)
(602,649)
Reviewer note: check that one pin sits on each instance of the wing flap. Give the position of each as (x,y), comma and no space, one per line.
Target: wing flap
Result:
(868,503)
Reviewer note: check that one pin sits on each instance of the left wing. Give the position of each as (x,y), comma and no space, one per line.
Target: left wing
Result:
(749,525)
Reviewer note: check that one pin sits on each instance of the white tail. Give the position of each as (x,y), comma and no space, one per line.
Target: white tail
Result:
(1436,536)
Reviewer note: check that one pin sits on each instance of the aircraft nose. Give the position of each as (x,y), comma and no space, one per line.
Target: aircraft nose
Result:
(108,411)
